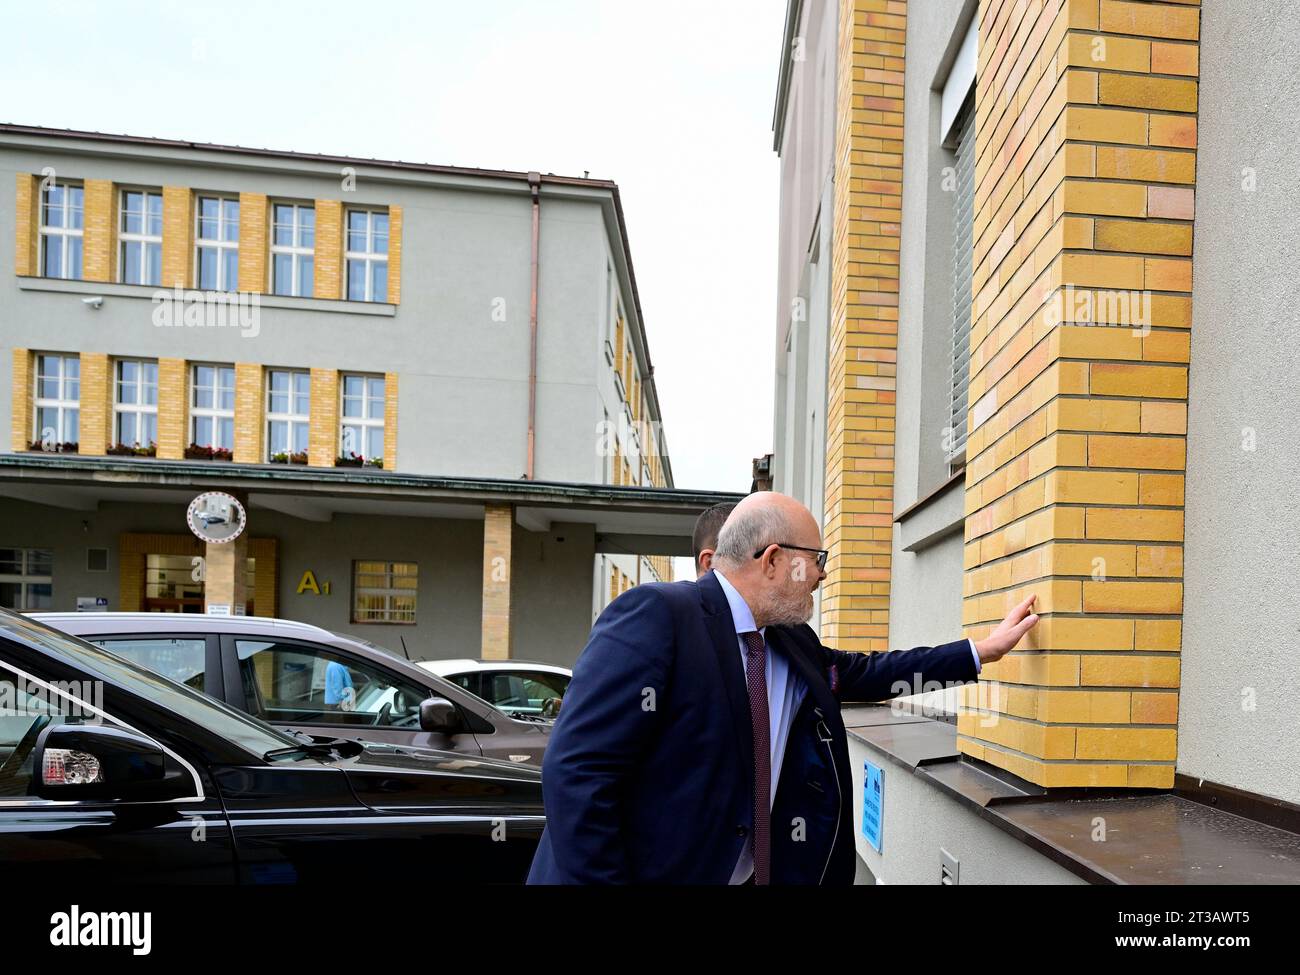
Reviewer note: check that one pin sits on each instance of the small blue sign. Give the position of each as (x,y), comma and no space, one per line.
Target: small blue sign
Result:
(873,803)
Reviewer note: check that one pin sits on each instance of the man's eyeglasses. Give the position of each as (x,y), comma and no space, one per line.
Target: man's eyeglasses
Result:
(822,554)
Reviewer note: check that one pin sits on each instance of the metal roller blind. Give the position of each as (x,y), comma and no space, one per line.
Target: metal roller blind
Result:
(963,224)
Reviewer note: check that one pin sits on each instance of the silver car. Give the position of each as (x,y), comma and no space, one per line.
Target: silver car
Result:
(303,678)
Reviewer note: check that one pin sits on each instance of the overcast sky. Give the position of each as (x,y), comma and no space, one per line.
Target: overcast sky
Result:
(671,99)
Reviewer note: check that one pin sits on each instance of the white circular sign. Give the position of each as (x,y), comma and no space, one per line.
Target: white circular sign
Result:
(216,517)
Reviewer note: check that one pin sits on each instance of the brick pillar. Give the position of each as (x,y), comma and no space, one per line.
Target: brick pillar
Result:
(250,404)
(394,255)
(323,435)
(22,430)
(27,222)
(390,421)
(498,526)
(328,260)
(1086,136)
(178,237)
(863,341)
(96,411)
(254,217)
(225,580)
(173,408)
(99,219)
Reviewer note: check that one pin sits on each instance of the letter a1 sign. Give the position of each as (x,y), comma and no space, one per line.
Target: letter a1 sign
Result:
(216,517)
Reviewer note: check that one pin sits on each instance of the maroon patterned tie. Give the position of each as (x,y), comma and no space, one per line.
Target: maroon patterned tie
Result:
(756,681)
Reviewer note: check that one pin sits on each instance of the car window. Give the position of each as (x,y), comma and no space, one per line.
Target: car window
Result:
(526,691)
(469,682)
(182,659)
(189,705)
(292,683)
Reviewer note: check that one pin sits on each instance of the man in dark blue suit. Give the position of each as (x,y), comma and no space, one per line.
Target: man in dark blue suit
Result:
(701,741)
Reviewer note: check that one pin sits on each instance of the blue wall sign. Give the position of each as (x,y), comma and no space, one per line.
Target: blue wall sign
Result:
(873,803)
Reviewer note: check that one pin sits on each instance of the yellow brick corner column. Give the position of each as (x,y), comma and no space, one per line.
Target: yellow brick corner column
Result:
(328,259)
(225,576)
(863,341)
(27,224)
(22,426)
(394,255)
(390,421)
(173,408)
(1085,170)
(96,410)
(254,217)
(99,221)
(178,237)
(498,528)
(250,403)
(323,435)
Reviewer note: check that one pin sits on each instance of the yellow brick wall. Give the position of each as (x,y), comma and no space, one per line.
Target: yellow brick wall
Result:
(27,223)
(498,527)
(22,428)
(863,341)
(328,259)
(1086,136)
(390,421)
(250,406)
(254,240)
(96,410)
(173,408)
(178,237)
(394,255)
(323,436)
(99,236)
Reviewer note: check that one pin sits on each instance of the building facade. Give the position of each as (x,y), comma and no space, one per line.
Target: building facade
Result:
(430,386)
(1033,338)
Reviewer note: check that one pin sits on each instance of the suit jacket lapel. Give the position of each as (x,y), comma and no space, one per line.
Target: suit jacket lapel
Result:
(722,633)
(782,640)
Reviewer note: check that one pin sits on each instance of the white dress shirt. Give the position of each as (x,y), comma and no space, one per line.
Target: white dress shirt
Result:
(785,692)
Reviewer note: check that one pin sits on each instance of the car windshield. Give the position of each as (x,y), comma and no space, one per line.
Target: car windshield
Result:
(241,729)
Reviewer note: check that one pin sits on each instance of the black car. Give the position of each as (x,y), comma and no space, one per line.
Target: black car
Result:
(111,773)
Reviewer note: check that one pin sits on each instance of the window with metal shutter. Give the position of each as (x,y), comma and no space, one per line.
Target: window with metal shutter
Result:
(963,221)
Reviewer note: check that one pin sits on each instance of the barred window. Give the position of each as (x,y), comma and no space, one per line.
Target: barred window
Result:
(963,225)
(384,592)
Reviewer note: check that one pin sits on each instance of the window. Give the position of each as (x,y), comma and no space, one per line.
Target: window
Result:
(384,592)
(135,403)
(362,439)
(212,407)
(525,692)
(303,683)
(182,659)
(963,221)
(26,578)
(293,246)
(141,237)
(367,255)
(174,583)
(288,416)
(58,395)
(61,231)
(217,244)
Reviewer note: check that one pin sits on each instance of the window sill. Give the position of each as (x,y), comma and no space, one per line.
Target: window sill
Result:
(111,289)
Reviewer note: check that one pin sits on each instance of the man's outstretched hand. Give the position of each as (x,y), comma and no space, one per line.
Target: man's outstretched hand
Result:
(1008,633)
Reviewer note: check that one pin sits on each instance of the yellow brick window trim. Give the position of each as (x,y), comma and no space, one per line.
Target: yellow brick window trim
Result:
(173,408)
(390,421)
(254,242)
(327,275)
(22,422)
(394,256)
(27,225)
(178,237)
(99,234)
(323,433)
(1076,455)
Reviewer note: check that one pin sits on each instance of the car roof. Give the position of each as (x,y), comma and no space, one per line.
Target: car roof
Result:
(461,665)
(182,622)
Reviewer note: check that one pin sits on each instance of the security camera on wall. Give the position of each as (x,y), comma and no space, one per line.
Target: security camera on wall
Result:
(94,302)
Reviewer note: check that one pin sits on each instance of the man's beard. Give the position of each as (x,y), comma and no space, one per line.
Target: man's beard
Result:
(790,609)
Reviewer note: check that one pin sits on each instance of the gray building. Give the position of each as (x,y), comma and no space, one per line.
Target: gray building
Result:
(429,386)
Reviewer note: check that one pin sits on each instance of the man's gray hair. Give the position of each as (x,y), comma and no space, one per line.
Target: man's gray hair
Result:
(746,531)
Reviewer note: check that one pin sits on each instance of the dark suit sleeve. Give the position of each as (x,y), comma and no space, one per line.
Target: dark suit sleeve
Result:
(612,711)
(880,676)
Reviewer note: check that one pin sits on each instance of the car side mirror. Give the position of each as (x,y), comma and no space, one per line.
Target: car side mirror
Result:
(439,715)
(81,761)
